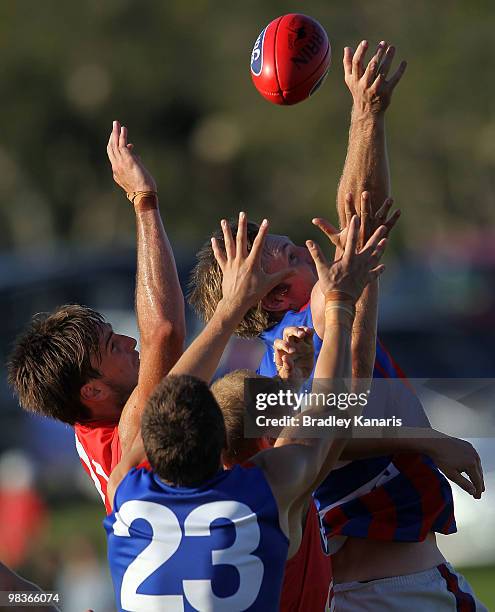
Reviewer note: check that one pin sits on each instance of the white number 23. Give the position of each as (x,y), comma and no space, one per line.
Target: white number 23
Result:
(166,539)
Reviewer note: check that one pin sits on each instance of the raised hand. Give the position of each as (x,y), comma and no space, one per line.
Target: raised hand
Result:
(244,282)
(356,268)
(294,353)
(370,89)
(128,170)
(369,221)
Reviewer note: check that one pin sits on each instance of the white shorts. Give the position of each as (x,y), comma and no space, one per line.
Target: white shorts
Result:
(440,589)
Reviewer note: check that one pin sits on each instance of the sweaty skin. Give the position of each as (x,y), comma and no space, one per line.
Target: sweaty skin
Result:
(159,299)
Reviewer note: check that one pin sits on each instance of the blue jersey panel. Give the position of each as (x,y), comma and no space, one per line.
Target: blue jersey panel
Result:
(384,366)
(216,547)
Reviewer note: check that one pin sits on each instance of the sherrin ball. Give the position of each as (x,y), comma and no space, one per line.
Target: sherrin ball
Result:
(290,59)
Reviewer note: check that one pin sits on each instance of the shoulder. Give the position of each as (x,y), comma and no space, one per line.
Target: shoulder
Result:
(100,442)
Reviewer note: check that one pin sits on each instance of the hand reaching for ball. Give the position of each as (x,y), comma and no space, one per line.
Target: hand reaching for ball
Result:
(370,89)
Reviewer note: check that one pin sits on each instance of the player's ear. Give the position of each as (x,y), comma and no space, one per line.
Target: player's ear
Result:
(276,300)
(92,391)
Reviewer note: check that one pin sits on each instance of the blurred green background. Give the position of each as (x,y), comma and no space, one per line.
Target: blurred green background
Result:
(177,74)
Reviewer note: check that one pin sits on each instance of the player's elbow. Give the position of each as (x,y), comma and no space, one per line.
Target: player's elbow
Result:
(165,333)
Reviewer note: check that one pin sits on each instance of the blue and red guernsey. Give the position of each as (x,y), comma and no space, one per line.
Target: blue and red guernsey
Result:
(396,498)
(215,547)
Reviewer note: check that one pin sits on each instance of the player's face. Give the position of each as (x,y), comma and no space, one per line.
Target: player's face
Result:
(119,365)
(279,253)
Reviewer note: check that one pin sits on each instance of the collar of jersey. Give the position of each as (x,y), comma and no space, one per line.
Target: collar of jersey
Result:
(190,490)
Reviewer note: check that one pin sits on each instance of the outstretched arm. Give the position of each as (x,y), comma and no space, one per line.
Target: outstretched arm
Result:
(452,455)
(366,168)
(159,299)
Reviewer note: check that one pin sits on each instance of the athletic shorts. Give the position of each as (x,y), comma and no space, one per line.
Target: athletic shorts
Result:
(440,589)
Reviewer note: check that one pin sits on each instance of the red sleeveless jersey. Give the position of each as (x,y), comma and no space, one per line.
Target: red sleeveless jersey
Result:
(98,447)
(308,582)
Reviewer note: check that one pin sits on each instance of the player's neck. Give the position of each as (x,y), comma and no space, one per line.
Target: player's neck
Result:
(103,411)
(195,485)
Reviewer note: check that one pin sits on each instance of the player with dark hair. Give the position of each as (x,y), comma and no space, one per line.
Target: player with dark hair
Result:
(190,534)
(71,366)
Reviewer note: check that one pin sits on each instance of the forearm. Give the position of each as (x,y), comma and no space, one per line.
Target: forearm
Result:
(411,440)
(364,332)
(366,165)
(202,357)
(159,299)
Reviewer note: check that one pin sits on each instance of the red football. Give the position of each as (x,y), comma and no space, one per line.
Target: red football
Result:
(290,59)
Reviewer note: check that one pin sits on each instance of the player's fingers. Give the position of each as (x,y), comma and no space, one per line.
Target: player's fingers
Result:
(357,60)
(349,208)
(387,62)
(287,364)
(308,331)
(347,61)
(241,237)
(365,204)
(462,481)
(115,133)
(373,241)
(382,212)
(397,76)
(259,241)
(327,228)
(377,83)
(317,255)
(294,331)
(374,64)
(352,238)
(476,478)
(365,215)
(480,468)
(123,137)
(389,224)
(374,257)
(130,146)
(114,138)
(284,345)
(375,273)
(218,253)
(227,239)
